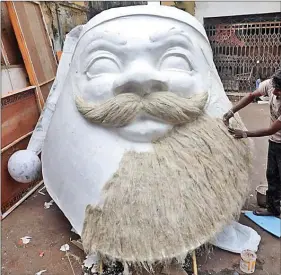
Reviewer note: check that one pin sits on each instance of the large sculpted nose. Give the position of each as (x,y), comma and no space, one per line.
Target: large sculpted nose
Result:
(140,78)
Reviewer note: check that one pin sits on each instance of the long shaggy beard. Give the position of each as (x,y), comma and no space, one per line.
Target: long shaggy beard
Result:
(162,205)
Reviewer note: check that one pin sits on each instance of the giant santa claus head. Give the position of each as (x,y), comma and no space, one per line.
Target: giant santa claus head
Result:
(136,155)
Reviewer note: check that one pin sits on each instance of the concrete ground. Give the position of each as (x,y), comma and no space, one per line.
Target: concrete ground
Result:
(50,230)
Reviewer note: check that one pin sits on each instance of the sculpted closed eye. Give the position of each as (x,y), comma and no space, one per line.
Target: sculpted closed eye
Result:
(175,61)
(105,64)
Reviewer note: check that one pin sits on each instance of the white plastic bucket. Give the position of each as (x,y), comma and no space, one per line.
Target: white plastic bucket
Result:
(248,261)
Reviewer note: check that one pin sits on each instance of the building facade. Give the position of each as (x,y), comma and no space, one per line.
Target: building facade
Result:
(61,17)
(188,6)
(245,38)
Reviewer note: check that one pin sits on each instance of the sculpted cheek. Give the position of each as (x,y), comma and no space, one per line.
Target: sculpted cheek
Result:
(184,84)
(98,89)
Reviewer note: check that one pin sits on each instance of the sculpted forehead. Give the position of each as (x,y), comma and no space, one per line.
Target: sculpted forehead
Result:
(139,26)
(159,12)
(137,31)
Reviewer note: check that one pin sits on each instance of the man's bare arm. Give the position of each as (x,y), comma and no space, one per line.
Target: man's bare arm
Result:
(246,100)
(274,128)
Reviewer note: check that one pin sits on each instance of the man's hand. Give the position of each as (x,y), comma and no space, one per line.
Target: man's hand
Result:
(237,133)
(246,100)
(226,117)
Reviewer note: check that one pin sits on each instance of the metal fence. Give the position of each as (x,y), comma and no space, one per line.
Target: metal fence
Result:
(245,48)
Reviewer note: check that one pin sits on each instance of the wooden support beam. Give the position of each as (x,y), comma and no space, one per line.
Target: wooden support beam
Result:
(47,81)
(78,243)
(25,52)
(195,269)
(15,142)
(4,54)
(28,194)
(19,91)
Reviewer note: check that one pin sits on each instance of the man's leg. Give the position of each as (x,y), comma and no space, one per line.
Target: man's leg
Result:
(277,197)
(273,174)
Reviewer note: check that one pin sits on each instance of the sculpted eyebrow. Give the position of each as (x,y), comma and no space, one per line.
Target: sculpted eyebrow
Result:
(171,35)
(107,38)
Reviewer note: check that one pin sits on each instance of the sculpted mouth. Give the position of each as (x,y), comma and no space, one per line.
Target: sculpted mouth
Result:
(144,129)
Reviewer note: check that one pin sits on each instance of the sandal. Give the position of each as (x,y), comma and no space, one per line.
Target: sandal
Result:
(264,213)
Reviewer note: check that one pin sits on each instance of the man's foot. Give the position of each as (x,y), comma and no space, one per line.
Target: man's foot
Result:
(265,213)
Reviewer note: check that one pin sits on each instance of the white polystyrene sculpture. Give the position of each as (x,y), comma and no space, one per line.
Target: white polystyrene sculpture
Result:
(148,48)
(24,166)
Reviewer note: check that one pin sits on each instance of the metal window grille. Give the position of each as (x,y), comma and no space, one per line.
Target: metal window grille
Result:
(245,48)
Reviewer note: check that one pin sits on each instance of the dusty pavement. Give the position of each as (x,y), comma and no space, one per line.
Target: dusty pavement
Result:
(50,230)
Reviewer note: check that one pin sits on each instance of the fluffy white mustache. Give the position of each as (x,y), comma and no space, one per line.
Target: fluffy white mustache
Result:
(122,109)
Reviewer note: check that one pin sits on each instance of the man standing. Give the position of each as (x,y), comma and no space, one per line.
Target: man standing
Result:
(272,89)
(258,82)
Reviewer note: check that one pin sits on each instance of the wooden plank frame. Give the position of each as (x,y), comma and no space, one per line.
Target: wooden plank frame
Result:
(25,52)
(19,116)
(15,142)
(8,39)
(21,109)
(20,112)
(30,68)
(4,54)
(12,191)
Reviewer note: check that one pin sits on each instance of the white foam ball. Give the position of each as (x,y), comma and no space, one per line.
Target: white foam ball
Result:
(24,166)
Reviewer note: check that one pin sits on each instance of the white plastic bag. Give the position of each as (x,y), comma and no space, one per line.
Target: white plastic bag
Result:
(236,238)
